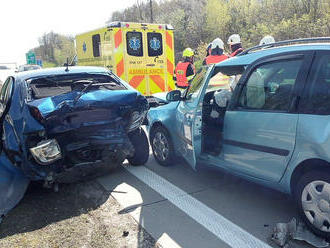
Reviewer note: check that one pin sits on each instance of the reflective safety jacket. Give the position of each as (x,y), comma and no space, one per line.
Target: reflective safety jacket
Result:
(238,51)
(182,79)
(213,59)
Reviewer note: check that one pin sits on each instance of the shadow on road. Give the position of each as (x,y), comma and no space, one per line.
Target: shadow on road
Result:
(252,207)
(41,207)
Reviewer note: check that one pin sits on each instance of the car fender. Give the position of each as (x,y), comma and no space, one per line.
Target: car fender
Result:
(312,142)
(166,115)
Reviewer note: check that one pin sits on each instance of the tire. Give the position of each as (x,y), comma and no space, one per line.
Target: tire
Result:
(312,196)
(162,146)
(140,143)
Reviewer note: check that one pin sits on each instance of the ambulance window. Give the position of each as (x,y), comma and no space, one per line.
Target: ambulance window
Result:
(155,44)
(96,45)
(134,43)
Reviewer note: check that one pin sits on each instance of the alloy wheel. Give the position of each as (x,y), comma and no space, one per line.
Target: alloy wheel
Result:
(160,146)
(315,202)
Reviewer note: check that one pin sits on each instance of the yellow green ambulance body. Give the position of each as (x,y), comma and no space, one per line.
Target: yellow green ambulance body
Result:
(141,54)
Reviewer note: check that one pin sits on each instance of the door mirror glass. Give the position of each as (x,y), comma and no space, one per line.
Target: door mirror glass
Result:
(174,95)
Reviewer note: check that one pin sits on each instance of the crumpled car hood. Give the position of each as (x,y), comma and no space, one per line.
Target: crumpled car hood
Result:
(61,113)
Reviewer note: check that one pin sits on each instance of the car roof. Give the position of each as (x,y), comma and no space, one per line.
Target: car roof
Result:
(59,71)
(252,56)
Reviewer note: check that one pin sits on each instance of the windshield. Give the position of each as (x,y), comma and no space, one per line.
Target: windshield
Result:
(196,84)
(52,86)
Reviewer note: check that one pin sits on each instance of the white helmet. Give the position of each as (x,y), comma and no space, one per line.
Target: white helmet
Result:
(268,39)
(234,39)
(217,43)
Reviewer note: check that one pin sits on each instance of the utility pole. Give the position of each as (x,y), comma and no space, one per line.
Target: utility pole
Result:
(151,15)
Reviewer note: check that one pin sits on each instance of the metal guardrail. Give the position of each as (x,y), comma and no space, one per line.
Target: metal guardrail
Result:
(286,43)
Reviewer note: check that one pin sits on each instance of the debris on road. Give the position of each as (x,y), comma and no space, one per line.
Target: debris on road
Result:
(296,230)
(125,233)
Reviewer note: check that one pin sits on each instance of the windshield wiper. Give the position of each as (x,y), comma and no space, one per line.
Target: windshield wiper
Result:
(84,90)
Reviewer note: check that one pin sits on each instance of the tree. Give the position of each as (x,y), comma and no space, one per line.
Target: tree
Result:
(54,48)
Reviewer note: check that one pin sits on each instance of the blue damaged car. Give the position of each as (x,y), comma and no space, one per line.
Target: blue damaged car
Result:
(275,130)
(66,124)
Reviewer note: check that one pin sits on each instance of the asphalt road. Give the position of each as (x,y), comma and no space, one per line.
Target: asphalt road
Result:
(183,208)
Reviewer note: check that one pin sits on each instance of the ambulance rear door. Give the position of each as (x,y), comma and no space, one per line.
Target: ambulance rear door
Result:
(156,59)
(135,62)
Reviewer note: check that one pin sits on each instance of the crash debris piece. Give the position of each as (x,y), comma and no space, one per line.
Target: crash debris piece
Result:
(296,230)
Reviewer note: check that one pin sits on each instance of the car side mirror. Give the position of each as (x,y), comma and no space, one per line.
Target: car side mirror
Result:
(174,95)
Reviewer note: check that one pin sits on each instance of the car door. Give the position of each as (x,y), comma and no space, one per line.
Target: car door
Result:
(260,124)
(189,118)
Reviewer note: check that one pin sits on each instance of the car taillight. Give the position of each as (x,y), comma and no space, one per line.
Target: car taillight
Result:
(36,114)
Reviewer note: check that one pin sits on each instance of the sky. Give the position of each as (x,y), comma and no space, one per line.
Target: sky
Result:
(22,22)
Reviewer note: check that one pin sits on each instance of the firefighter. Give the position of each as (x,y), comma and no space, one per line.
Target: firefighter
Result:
(268,39)
(217,53)
(234,41)
(185,71)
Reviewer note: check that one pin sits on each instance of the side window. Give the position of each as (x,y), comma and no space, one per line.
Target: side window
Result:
(96,45)
(8,91)
(134,44)
(318,87)
(270,86)
(155,44)
(5,94)
(3,90)
(195,87)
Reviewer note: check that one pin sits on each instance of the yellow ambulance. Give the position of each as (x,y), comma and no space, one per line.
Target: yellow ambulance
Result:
(141,54)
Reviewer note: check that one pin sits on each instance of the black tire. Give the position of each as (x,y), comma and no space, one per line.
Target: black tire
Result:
(309,215)
(162,160)
(140,143)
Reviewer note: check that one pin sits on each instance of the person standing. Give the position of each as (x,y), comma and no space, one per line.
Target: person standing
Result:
(185,71)
(234,41)
(217,53)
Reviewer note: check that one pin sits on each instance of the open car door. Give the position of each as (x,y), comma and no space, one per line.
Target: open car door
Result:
(189,118)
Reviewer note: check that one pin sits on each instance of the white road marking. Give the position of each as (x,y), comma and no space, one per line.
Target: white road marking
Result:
(130,198)
(224,229)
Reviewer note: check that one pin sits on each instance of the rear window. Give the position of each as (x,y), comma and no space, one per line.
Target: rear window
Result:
(96,45)
(134,44)
(155,44)
(57,85)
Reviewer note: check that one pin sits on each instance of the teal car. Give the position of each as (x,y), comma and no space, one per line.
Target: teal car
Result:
(275,129)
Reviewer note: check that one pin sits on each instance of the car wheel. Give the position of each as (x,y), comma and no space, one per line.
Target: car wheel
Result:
(313,200)
(140,143)
(162,146)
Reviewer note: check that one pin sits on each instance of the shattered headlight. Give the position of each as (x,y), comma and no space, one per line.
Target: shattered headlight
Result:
(46,151)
